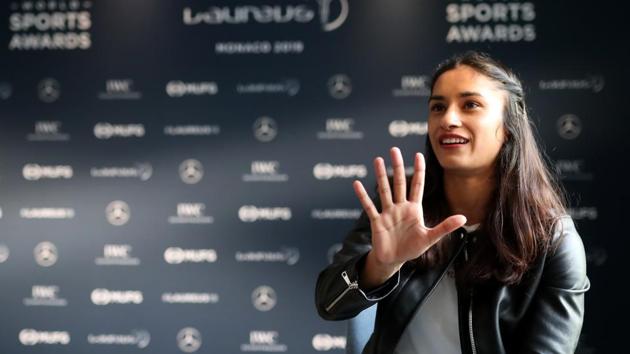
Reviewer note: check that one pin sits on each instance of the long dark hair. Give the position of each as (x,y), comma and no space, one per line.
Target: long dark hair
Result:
(527,200)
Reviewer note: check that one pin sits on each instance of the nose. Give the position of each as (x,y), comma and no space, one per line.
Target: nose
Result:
(450,119)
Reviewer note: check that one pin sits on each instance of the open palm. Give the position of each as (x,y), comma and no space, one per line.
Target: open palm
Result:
(398,231)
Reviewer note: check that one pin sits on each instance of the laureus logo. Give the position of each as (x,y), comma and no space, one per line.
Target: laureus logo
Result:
(332,14)
(328,22)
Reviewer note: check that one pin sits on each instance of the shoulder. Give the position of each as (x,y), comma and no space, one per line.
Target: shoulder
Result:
(565,263)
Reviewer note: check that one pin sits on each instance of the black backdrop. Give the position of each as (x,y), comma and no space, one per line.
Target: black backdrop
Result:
(174,174)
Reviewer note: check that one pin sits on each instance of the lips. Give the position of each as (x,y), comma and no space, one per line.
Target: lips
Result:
(452,139)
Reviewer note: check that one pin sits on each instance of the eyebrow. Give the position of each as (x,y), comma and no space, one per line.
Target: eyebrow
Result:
(463,94)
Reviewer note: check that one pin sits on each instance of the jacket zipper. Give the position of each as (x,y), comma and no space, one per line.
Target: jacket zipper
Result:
(470,312)
(351,286)
(470,324)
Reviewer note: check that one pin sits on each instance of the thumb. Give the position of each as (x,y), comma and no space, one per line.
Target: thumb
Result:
(447,226)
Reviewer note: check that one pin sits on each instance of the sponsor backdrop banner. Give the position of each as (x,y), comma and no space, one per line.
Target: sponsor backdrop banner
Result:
(174,174)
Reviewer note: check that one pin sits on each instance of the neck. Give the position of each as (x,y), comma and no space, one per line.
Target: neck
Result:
(469,194)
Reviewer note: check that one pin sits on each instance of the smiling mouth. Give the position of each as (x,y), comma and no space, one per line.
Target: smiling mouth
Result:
(453,141)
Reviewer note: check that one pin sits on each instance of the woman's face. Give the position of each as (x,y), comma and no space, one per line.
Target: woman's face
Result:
(466,121)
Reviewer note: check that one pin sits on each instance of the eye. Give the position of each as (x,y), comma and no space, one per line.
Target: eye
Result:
(471,105)
(436,107)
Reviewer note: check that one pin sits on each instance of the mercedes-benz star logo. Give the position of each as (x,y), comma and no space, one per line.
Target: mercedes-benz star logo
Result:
(189,340)
(265,129)
(45,254)
(4,253)
(117,213)
(191,171)
(569,126)
(339,86)
(48,90)
(264,298)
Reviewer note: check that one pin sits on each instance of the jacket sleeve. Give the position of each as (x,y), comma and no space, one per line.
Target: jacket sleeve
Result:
(337,294)
(557,311)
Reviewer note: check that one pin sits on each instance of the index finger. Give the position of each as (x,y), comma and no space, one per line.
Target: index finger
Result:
(365,200)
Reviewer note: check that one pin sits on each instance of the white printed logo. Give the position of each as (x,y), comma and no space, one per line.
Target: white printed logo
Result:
(191,171)
(45,295)
(264,341)
(288,255)
(192,130)
(107,130)
(265,129)
(176,255)
(329,24)
(413,86)
(290,87)
(119,89)
(401,128)
(326,342)
(138,337)
(5,90)
(117,254)
(34,172)
(180,88)
(250,213)
(190,298)
(265,171)
(569,126)
(104,297)
(45,254)
(4,253)
(331,214)
(29,336)
(340,128)
(277,14)
(339,86)
(326,171)
(49,90)
(48,130)
(117,213)
(142,171)
(189,340)
(190,213)
(47,213)
(264,298)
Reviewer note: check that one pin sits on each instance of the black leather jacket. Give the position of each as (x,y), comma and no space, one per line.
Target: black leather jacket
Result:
(542,314)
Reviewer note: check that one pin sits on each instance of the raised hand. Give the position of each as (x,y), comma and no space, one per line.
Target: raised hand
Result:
(398,231)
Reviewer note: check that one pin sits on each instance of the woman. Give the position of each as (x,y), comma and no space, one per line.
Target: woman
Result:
(483,259)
